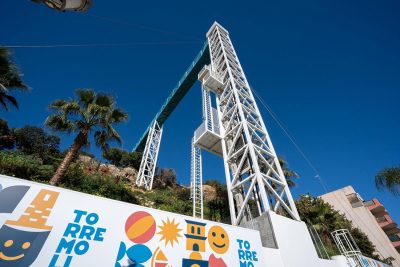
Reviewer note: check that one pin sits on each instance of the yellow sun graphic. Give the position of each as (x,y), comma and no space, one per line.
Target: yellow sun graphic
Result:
(169,232)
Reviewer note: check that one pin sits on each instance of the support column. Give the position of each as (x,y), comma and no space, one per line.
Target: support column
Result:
(149,159)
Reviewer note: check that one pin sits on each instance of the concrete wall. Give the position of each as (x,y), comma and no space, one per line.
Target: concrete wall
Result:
(272,257)
(364,220)
(295,246)
(294,241)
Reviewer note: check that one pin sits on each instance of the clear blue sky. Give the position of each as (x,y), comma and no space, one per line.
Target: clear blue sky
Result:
(330,70)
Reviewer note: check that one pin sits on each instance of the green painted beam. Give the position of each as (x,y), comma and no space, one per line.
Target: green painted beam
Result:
(177,94)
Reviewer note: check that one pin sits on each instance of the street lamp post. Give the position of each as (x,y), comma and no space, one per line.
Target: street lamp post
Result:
(66,5)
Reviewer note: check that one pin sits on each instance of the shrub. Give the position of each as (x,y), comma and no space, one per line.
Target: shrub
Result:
(96,184)
(16,164)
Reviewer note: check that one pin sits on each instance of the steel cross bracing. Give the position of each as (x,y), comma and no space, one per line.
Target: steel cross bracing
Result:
(196,182)
(149,159)
(254,177)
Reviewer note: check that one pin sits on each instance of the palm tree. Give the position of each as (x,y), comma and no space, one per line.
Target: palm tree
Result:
(89,113)
(389,178)
(290,175)
(10,79)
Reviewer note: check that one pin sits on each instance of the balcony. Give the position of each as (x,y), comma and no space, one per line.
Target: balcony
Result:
(207,136)
(375,206)
(386,222)
(211,80)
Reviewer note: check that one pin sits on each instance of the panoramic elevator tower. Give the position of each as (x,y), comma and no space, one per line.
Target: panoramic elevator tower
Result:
(254,177)
(233,129)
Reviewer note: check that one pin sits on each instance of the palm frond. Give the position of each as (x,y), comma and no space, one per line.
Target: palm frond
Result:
(389,178)
(104,100)
(12,100)
(9,73)
(101,139)
(113,134)
(86,96)
(58,122)
(118,115)
(57,104)
(3,103)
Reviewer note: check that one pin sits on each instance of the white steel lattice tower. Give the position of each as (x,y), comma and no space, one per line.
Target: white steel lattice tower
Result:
(196,182)
(149,159)
(254,177)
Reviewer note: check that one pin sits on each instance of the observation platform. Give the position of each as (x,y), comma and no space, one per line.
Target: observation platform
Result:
(211,80)
(208,137)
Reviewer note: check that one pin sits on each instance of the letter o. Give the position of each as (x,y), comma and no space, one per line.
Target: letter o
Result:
(92,218)
(246,245)
(81,247)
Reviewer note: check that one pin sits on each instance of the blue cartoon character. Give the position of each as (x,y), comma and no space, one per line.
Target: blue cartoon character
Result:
(22,240)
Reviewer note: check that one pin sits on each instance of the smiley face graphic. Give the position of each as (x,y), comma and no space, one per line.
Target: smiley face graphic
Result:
(218,239)
(10,243)
(19,248)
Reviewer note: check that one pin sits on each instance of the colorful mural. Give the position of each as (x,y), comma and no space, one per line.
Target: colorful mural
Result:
(48,226)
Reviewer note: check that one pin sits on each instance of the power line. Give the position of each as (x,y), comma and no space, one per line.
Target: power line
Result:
(98,44)
(292,140)
(139,26)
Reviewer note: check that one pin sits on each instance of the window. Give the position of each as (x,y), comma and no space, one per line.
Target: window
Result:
(355,200)
(394,237)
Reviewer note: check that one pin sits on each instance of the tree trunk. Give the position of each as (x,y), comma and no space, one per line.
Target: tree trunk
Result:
(72,151)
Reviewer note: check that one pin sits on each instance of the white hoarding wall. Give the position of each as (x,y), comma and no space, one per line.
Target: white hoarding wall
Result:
(48,226)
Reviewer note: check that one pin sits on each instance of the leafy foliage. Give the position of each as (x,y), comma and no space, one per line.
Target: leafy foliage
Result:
(172,199)
(7,139)
(23,166)
(10,79)
(217,208)
(122,158)
(33,140)
(389,179)
(14,163)
(290,175)
(98,185)
(316,212)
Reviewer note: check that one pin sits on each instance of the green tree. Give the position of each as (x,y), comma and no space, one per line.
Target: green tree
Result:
(389,179)
(321,215)
(90,113)
(290,175)
(218,206)
(122,158)
(7,139)
(10,79)
(33,140)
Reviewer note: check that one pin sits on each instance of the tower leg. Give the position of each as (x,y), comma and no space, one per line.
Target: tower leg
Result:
(149,160)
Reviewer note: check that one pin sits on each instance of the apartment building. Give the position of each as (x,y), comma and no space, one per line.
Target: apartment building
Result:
(385,221)
(371,217)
